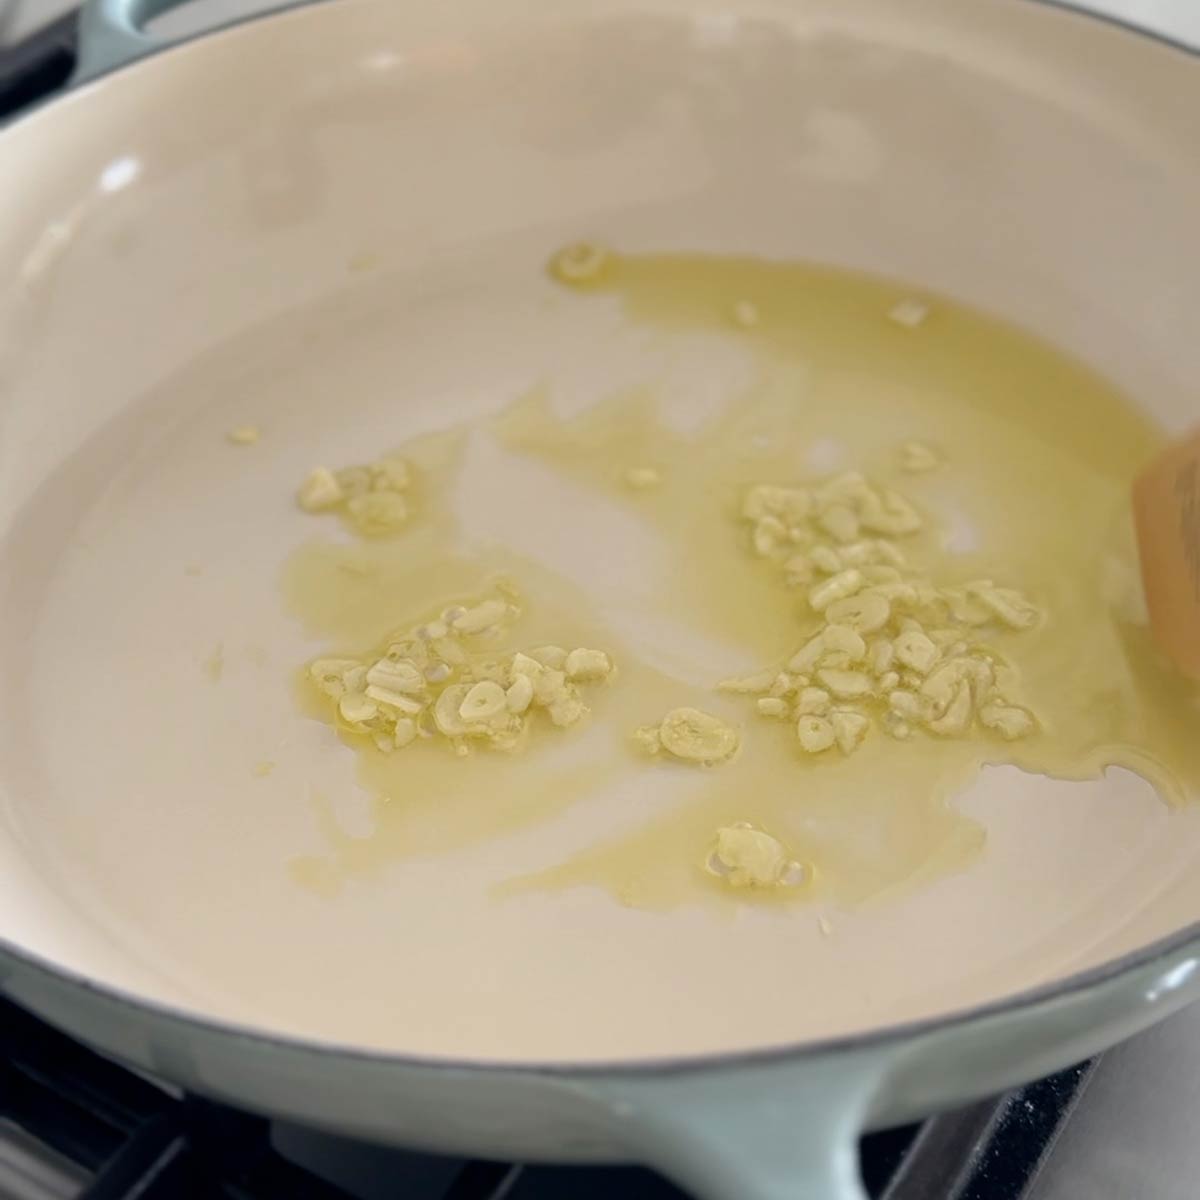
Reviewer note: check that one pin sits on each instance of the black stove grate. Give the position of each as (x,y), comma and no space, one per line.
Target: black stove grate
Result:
(128,1137)
(36,67)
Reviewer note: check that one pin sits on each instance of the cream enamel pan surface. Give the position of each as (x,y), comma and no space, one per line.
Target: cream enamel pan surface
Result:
(179,254)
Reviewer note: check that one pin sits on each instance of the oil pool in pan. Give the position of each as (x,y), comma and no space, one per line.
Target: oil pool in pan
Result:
(1019,461)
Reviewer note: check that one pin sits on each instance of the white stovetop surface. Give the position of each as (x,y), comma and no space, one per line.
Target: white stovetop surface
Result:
(1136,1132)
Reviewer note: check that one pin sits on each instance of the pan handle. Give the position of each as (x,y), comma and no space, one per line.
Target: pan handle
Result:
(112,33)
(770,1131)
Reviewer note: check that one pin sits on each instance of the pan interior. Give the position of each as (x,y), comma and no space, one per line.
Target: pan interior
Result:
(360,266)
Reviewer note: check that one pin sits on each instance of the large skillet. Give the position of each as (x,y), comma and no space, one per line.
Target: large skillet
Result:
(1040,164)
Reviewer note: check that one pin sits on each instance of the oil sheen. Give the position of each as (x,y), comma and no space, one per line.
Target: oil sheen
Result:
(1037,456)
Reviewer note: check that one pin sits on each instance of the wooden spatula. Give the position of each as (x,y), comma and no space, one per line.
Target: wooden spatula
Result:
(1166,511)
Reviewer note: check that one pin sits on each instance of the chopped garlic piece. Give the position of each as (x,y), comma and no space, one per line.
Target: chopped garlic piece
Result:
(1009,720)
(582,262)
(846,685)
(396,700)
(849,728)
(944,683)
(389,475)
(319,491)
(554,657)
(909,705)
(749,684)
(648,739)
(694,736)
(909,312)
(748,857)
(524,664)
(745,314)
(449,651)
(357,709)
(957,717)
(826,559)
(789,505)
(483,702)
(890,513)
(837,587)
(1006,603)
(917,457)
(772,706)
(329,675)
(642,478)
(558,697)
(401,676)
(519,695)
(848,486)
(447,712)
(807,657)
(375,513)
(840,522)
(784,685)
(917,651)
(799,570)
(486,615)
(354,481)
(882,655)
(584,664)
(244,435)
(767,536)
(815,733)
(866,612)
(813,701)
(369,496)
(843,641)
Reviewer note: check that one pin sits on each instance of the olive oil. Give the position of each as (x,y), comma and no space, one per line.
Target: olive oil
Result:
(1035,458)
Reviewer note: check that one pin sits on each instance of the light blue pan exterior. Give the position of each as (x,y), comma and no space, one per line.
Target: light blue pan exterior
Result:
(776,1125)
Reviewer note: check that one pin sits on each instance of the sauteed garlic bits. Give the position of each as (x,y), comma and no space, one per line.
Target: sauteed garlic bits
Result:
(580,263)
(746,857)
(372,497)
(891,648)
(437,681)
(691,736)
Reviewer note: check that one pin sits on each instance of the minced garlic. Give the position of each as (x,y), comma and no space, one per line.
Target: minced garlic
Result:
(582,262)
(370,497)
(744,314)
(746,857)
(437,680)
(909,312)
(691,735)
(890,648)
(642,478)
(917,457)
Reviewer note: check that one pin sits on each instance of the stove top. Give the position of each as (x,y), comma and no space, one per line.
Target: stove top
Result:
(77,1126)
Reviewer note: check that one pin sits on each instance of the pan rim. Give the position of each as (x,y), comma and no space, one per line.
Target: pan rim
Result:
(1024,1002)
(1019,1003)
